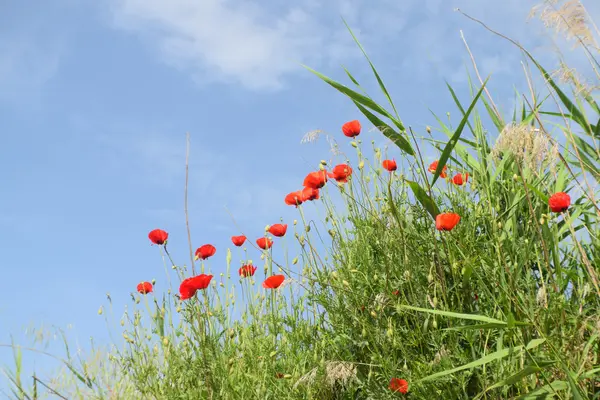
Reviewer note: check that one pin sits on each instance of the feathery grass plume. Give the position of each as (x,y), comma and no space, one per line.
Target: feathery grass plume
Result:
(313,135)
(336,372)
(528,145)
(569,18)
(569,75)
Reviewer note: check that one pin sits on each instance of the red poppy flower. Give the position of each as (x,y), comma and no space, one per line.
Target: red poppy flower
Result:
(144,287)
(310,194)
(278,230)
(340,173)
(238,240)
(446,221)
(316,180)
(351,128)
(433,167)
(396,293)
(247,270)
(399,385)
(559,202)
(390,165)
(279,375)
(190,286)
(294,198)
(273,282)
(264,243)
(460,179)
(203,252)
(158,236)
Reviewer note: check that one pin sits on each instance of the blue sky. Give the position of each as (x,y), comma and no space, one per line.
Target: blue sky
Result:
(96,98)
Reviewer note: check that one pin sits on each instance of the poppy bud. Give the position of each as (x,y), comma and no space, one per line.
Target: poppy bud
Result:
(178,309)
(295,261)
(307,228)
(434,324)
(499,225)
(430,278)
(323,162)
(153,282)
(373,314)
(295,222)
(428,129)
(345,282)
(516,177)
(100,311)
(353,144)
(361,165)
(542,221)
(173,267)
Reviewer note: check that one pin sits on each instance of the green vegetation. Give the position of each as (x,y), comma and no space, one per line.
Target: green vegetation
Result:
(501,304)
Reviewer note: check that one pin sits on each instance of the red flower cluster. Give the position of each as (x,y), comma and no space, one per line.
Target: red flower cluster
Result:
(351,128)
(460,179)
(238,240)
(158,236)
(247,270)
(340,173)
(559,202)
(446,221)
(390,165)
(264,243)
(433,167)
(144,287)
(190,286)
(203,252)
(278,230)
(399,385)
(273,282)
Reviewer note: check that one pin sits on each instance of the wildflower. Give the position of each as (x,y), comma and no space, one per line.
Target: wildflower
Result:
(279,375)
(247,270)
(203,252)
(390,165)
(144,287)
(238,240)
(190,286)
(460,179)
(310,194)
(351,128)
(433,167)
(158,236)
(399,385)
(294,198)
(396,292)
(264,243)
(278,230)
(315,180)
(559,202)
(446,221)
(273,282)
(340,173)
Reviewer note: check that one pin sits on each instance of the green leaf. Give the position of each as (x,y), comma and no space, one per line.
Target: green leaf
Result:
(545,391)
(456,136)
(379,80)
(471,317)
(362,99)
(498,355)
(398,139)
(477,327)
(425,200)
(515,378)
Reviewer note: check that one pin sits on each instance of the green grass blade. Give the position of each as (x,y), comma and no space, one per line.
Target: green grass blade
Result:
(424,198)
(379,80)
(471,317)
(545,391)
(515,378)
(452,142)
(398,139)
(362,99)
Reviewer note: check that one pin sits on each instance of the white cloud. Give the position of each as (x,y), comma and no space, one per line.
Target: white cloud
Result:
(258,43)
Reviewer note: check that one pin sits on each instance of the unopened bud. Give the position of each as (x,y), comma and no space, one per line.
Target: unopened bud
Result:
(100,311)
(361,165)
(295,261)
(428,128)
(353,144)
